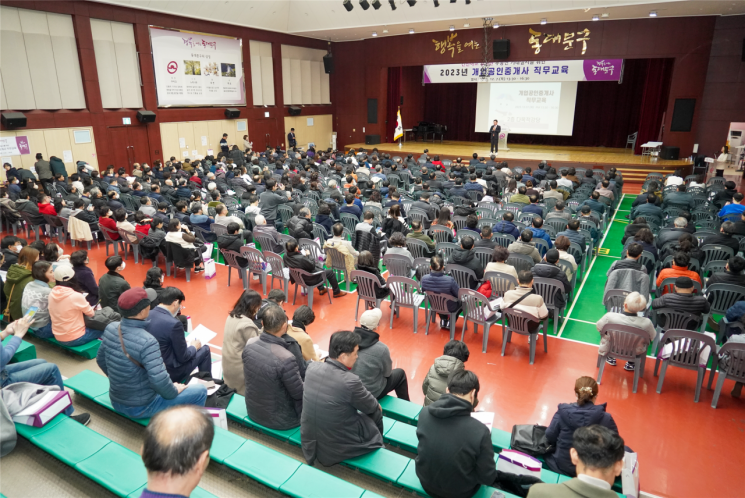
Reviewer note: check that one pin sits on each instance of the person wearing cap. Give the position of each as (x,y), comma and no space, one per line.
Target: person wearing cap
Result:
(179,357)
(139,384)
(374,365)
(683,299)
(112,284)
(679,268)
(67,305)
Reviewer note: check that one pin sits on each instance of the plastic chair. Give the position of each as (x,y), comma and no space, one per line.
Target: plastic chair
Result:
(541,245)
(56,228)
(623,341)
(503,239)
(218,229)
(415,214)
(446,249)
(674,319)
(440,233)
(483,254)
(278,271)
(338,263)
(520,262)
(300,277)
(716,253)
(285,213)
(319,231)
(731,365)
(349,221)
(124,238)
(257,265)
(422,267)
(403,296)
(473,306)
(313,248)
(687,347)
(30,225)
(722,297)
(548,289)
(668,285)
(231,260)
(173,251)
(417,248)
(465,277)
(465,232)
(398,265)
(500,283)
(559,224)
(515,320)
(438,304)
(367,283)
(110,241)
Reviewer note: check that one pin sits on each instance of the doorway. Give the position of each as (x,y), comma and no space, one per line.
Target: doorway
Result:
(129,145)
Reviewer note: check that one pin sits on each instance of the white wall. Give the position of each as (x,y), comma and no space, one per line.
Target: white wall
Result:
(262,72)
(116,62)
(304,82)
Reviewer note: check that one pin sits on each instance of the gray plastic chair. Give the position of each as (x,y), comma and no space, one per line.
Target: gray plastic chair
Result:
(218,229)
(231,260)
(314,249)
(668,285)
(515,320)
(483,254)
(622,344)
(319,231)
(417,248)
(257,265)
(266,242)
(541,245)
(109,241)
(687,347)
(349,221)
(731,364)
(520,262)
(422,267)
(403,296)
(716,253)
(285,213)
(548,289)
(439,233)
(338,263)
(500,283)
(300,277)
(56,228)
(722,297)
(398,265)
(711,268)
(438,304)
(473,308)
(446,250)
(466,232)
(278,271)
(30,225)
(462,275)
(503,239)
(124,237)
(459,222)
(676,320)
(366,285)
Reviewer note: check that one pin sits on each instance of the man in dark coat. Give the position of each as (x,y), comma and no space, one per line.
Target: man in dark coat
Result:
(507,226)
(300,226)
(467,258)
(274,387)
(671,234)
(111,285)
(549,268)
(455,456)
(424,205)
(293,258)
(179,357)
(341,419)
(723,238)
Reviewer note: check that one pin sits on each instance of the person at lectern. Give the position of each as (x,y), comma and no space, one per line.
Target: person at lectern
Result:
(291,142)
(494,134)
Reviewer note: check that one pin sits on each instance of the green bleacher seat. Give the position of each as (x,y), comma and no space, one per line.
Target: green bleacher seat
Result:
(500,439)
(487,492)
(224,444)
(116,468)
(197,493)
(26,351)
(399,409)
(87,350)
(237,411)
(370,494)
(263,464)
(28,431)
(381,463)
(105,400)
(403,436)
(388,423)
(89,384)
(410,481)
(309,482)
(70,441)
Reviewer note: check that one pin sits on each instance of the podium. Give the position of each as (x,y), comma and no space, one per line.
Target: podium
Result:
(503,139)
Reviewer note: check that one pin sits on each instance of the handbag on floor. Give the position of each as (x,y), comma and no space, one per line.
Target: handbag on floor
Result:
(530,439)
(101,319)
(516,462)
(210,270)
(630,475)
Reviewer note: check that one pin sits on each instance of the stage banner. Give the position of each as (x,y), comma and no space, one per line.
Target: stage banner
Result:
(525,71)
(194,69)
(14,146)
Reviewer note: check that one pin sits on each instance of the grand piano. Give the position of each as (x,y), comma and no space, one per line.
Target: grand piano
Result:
(426,128)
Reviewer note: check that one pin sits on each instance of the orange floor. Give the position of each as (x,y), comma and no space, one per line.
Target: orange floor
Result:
(686,449)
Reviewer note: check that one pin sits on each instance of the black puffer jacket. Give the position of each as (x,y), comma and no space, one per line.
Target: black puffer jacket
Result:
(547,270)
(274,387)
(468,259)
(300,228)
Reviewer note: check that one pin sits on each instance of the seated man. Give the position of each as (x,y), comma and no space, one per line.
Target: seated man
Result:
(668,234)
(597,452)
(374,366)
(733,207)
(572,233)
(455,456)
(176,451)
(533,207)
(532,304)
(632,305)
(233,241)
(683,299)
(732,273)
(464,256)
(507,226)
(179,357)
(293,258)
(632,260)
(649,209)
(585,215)
(341,419)
(301,226)
(539,232)
(418,233)
(679,268)
(593,202)
(724,237)
(269,230)
(549,268)
(436,281)
(521,196)
(472,223)
(350,207)
(523,245)
(146,206)
(130,356)
(486,239)
(274,387)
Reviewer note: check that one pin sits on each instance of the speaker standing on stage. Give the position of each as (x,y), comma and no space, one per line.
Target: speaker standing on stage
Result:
(291,138)
(494,132)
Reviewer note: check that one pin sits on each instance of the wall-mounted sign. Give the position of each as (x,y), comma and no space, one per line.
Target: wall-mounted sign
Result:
(538,39)
(524,71)
(127,121)
(14,146)
(449,44)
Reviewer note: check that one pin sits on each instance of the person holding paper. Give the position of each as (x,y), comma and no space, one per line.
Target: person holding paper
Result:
(179,357)
(239,328)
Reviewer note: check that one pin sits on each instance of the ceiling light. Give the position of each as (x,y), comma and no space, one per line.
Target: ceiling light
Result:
(495,25)
(411,31)
(467,25)
(595,17)
(468,2)
(544,21)
(348,5)
(376,4)
(393,4)
(411,2)
(652,13)
(375,33)
(364,4)
(604,15)
(437,3)
(452,28)
(385,31)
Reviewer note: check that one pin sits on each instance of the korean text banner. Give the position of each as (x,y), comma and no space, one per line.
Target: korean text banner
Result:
(14,146)
(525,71)
(192,69)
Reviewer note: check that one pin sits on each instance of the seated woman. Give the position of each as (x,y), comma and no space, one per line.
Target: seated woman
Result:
(84,275)
(570,417)
(154,280)
(394,222)
(184,238)
(18,277)
(366,262)
(66,309)
(499,256)
(239,328)
(106,220)
(36,294)
(120,215)
(397,245)
(303,317)
(55,255)
(324,218)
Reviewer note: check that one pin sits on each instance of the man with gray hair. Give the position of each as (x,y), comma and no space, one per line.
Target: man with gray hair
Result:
(633,304)
(672,234)
(176,451)
(300,226)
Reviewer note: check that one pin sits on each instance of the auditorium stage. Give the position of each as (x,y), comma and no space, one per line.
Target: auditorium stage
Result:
(633,167)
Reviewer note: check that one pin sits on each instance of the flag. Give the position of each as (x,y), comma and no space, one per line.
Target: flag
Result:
(399,127)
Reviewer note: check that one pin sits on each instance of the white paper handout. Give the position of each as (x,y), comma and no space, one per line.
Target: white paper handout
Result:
(320,352)
(202,333)
(486,418)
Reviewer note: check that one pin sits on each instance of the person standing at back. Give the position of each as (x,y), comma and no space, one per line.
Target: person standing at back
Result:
(224,147)
(291,139)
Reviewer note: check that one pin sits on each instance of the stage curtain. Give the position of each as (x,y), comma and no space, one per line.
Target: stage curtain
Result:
(394,96)
(654,100)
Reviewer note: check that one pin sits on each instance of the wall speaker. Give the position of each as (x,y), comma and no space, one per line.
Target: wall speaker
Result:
(295,111)
(683,115)
(232,113)
(372,111)
(669,152)
(372,139)
(146,116)
(13,119)
(328,63)
(501,49)
(402,100)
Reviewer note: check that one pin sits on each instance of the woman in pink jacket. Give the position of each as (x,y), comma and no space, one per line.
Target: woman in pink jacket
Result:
(67,305)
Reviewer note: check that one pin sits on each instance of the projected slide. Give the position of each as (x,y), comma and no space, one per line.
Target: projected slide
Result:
(528,108)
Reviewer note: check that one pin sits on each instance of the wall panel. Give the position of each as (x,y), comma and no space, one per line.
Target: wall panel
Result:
(66,61)
(193,131)
(296,82)
(127,66)
(262,72)
(15,70)
(305,79)
(316,70)
(40,58)
(267,79)
(108,72)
